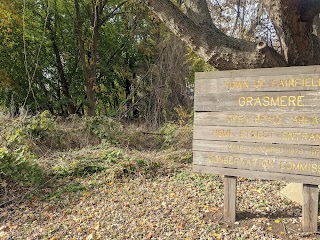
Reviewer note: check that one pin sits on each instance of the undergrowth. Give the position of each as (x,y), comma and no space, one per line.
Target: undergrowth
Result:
(37,147)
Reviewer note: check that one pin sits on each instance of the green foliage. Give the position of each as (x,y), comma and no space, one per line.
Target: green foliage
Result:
(182,176)
(132,47)
(112,157)
(114,162)
(105,128)
(185,115)
(197,64)
(167,131)
(41,125)
(17,162)
(78,168)
(186,158)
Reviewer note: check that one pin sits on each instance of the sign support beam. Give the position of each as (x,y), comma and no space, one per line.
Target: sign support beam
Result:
(310,208)
(230,199)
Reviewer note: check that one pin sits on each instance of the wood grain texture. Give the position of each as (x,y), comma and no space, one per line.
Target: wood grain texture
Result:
(259,72)
(261,123)
(235,101)
(263,149)
(258,119)
(264,83)
(310,208)
(299,166)
(230,198)
(258,134)
(257,174)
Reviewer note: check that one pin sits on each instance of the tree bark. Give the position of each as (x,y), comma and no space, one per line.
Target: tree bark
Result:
(199,13)
(292,20)
(89,70)
(89,63)
(63,80)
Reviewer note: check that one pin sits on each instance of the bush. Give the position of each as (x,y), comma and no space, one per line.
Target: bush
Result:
(17,162)
(105,128)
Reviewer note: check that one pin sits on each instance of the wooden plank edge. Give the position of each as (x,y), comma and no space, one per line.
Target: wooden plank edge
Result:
(278,71)
(257,174)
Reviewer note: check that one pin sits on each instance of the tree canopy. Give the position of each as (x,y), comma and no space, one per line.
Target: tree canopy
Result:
(116,58)
(92,57)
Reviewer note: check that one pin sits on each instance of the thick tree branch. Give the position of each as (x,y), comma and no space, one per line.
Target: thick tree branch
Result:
(212,45)
(198,12)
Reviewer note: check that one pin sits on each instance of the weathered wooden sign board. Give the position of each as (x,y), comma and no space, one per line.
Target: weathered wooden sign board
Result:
(261,123)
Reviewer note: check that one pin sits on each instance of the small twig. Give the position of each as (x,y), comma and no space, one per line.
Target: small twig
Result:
(153,133)
(292,230)
(285,229)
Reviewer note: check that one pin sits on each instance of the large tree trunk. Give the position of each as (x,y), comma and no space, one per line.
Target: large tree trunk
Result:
(292,20)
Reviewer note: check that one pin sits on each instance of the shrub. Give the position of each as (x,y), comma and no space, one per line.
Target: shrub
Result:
(17,162)
(105,128)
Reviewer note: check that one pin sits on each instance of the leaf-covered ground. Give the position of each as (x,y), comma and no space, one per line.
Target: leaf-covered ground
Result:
(125,201)
(132,185)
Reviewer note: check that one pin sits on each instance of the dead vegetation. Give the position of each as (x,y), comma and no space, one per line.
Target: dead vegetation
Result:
(104,180)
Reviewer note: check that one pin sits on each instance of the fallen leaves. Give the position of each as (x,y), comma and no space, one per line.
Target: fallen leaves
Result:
(277,220)
(176,205)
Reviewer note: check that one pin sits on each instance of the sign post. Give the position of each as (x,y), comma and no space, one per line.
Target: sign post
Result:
(230,195)
(260,123)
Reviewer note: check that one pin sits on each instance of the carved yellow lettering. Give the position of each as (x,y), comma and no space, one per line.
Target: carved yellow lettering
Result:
(307,82)
(283,100)
(290,83)
(315,121)
(257,102)
(249,101)
(314,168)
(242,101)
(299,101)
(290,136)
(289,165)
(236,84)
(303,167)
(222,133)
(304,136)
(281,84)
(282,165)
(274,101)
(292,100)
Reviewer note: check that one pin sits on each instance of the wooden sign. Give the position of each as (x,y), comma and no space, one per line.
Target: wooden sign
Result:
(260,123)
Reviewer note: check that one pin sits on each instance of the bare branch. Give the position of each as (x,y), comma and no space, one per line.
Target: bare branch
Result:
(237,18)
(112,13)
